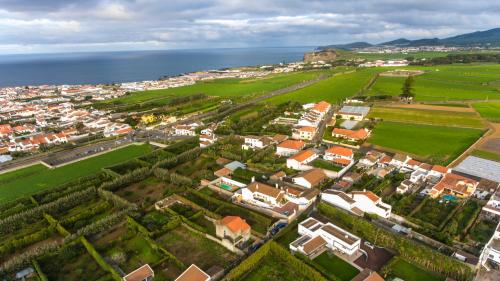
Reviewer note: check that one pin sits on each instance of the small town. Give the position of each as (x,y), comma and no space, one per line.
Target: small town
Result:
(249,141)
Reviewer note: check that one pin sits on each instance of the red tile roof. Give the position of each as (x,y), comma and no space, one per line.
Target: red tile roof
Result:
(193,273)
(372,196)
(139,274)
(440,169)
(292,144)
(303,155)
(339,150)
(321,106)
(235,223)
(309,129)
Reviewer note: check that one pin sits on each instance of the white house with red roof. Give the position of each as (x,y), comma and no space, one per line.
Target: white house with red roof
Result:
(301,159)
(340,155)
(289,147)
(143,273)
(5,130)
(256,142)
(262,195)
(357,202)
(454,184)
(351,135)
(193,273)
(234,229)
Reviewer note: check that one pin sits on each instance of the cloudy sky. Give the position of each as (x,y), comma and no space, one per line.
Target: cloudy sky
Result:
(33,26)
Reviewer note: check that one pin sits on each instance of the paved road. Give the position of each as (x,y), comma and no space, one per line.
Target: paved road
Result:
(322,125)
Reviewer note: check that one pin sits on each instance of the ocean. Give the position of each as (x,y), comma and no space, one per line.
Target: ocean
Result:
(127,66)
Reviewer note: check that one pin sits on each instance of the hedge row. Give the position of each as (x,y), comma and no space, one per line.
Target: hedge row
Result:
(272,248)
(99,259)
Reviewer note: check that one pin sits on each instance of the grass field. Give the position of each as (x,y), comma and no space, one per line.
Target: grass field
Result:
(431,117)
(417,55)
(38,177)
(332,90)
(489,110)
(409,272)
(486,155)
(220,87)
(336,267)
(272,267)
(385,85)
(435,144)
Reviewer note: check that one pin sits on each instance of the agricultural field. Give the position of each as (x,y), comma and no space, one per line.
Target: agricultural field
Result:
(36,178)
(434,212)
(445,83)
(190,247)
(386,86)
(489,110)
(486,155)
(410,272)
(332,90)
(434,144)
(220,88)
(430,117)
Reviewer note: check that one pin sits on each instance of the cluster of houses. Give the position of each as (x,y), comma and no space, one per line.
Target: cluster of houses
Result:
(387,63)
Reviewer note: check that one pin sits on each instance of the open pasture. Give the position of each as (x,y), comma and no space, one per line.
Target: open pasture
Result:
(431,117)
(35,178)
(333,90)
(220,88)
(434,144)
(489,110)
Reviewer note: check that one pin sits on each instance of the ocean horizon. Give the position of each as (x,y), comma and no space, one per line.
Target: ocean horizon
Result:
(128,66)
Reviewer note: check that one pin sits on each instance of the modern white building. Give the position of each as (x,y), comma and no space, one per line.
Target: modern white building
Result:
(357,202)
(490,256)
(317,237)
(357,113)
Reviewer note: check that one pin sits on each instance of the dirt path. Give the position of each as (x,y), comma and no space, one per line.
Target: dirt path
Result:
(432,107)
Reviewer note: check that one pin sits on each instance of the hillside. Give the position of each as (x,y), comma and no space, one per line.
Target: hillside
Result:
(479,38)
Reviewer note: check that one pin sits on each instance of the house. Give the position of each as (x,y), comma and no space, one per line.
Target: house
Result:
(352,177)
(207,140)
(301,197)
(262,195)
(278,176)
(289,147)
(404,187)
(399,160)
(490,256)
(492,207)
(255,142)
(300,159)
(143,273)
(454,184)
(357,113)
(5,130)
(310,178)
(371,158)
(357,202)
(350,135)
(321,107)
(339,153)
(185,130)
(368,275)
(193,273)
(235,165)
(279,138)
(234,229)
(317,237)
(438,171)
(304,133)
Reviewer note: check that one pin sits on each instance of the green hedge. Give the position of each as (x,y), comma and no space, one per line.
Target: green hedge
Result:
(98,258)
(39,271)
(272,248)
(409,250)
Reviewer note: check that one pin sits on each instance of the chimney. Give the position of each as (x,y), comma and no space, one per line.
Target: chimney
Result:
(276,185)
(253,178)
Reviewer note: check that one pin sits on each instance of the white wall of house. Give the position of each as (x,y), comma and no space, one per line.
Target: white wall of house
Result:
(283,151)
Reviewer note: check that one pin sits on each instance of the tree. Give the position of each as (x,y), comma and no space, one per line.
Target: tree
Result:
(407,90)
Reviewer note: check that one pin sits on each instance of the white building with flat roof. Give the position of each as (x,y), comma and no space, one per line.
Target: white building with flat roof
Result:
(357,113)
(316,237)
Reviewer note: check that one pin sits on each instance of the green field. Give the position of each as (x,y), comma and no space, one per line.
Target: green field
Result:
(409,272)
(332,90)
(446,83)
(486,155)
(38,177)
(386,56)
(435,144)
(336,267)
(386,86)
(422,116)
(489,110)
(220,88)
